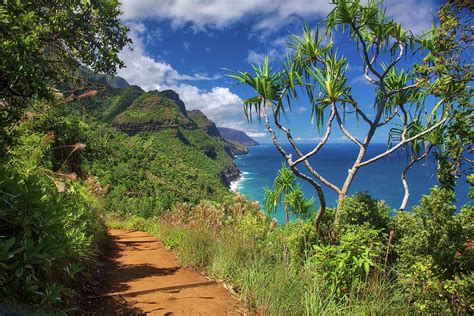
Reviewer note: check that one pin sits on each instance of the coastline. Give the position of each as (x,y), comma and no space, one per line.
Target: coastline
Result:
(234,185)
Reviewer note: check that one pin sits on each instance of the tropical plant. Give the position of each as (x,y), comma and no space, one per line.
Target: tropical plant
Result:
(315,72)
(287,191)
(48,230)
(435,259)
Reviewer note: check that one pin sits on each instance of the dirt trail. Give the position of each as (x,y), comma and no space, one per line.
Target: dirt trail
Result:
(140,276)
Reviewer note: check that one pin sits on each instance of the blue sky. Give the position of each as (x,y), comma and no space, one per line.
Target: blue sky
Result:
(184,44)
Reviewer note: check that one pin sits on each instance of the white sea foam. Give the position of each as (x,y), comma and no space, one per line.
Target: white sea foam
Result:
(235,185)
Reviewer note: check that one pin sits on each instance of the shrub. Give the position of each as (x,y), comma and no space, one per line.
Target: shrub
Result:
(49,220)
(47,239)
(346,265)
(361,209)
(434,254)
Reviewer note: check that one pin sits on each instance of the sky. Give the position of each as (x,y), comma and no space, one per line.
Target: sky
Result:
(186,45)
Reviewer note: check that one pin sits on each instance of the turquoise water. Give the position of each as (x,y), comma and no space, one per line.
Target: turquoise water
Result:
(381,179)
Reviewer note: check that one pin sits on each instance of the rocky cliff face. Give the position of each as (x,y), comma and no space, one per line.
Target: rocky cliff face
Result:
(234,135)
(229,175)
(170,94)
(204,123)
(234,148)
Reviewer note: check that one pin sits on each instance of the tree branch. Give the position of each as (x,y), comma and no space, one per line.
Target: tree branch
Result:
(388,119)
(270,130)
(413,160)
(359,111)
(344,130)
(319,191)
(300,154)
(390,93)
(394,62)
(321,142)
(374,58)
(368,63)
(401,143)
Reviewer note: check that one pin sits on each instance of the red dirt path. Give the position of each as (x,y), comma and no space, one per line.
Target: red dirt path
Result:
(140,276)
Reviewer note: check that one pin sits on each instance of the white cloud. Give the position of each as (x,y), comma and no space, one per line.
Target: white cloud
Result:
(257,134)
(301,109)
(219,103)
(147,72)
(187,46)
(307,139)
(414,15)
(271,14)
(257,58)
(221,13)
(359,80)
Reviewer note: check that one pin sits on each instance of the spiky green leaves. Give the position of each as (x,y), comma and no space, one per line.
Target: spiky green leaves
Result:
(311,72)
(368,20)
(309,47)
(265,82)
(287,191)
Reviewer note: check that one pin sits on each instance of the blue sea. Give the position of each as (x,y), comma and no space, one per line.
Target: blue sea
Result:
(381,179)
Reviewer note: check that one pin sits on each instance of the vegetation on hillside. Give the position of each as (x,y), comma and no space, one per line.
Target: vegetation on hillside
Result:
(405,264)
(74,153)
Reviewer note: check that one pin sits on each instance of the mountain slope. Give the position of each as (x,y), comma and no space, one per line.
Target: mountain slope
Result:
(154,153)
(234,135)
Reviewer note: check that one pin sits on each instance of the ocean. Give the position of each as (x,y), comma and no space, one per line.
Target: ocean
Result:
(381,179)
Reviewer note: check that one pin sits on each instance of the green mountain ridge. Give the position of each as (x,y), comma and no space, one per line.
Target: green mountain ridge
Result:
(165,153)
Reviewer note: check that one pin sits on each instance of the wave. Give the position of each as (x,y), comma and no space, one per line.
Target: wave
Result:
(235,185)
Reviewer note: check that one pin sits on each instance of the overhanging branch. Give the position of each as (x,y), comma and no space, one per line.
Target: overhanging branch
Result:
(401,143)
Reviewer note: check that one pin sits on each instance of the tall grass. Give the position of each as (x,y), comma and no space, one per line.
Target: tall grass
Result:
(267,277)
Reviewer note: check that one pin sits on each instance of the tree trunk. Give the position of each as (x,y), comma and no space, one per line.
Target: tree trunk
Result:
(362,151)
(322,210)
(407,191)
(413,160)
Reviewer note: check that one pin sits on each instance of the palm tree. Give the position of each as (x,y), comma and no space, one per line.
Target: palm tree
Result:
(286,190)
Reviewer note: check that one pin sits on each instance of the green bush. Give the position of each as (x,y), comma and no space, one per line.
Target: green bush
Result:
(49,219)
(47,239)
(344,266)
(434,252)
(361,209)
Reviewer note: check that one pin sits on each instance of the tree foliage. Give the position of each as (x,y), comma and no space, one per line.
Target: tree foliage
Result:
(288,192)
(44,42)
(423,93)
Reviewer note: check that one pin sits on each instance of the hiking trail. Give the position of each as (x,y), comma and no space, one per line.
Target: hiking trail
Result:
(140,276)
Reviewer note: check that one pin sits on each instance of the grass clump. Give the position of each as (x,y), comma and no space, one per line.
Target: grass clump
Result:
(369,267)
(270,266)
